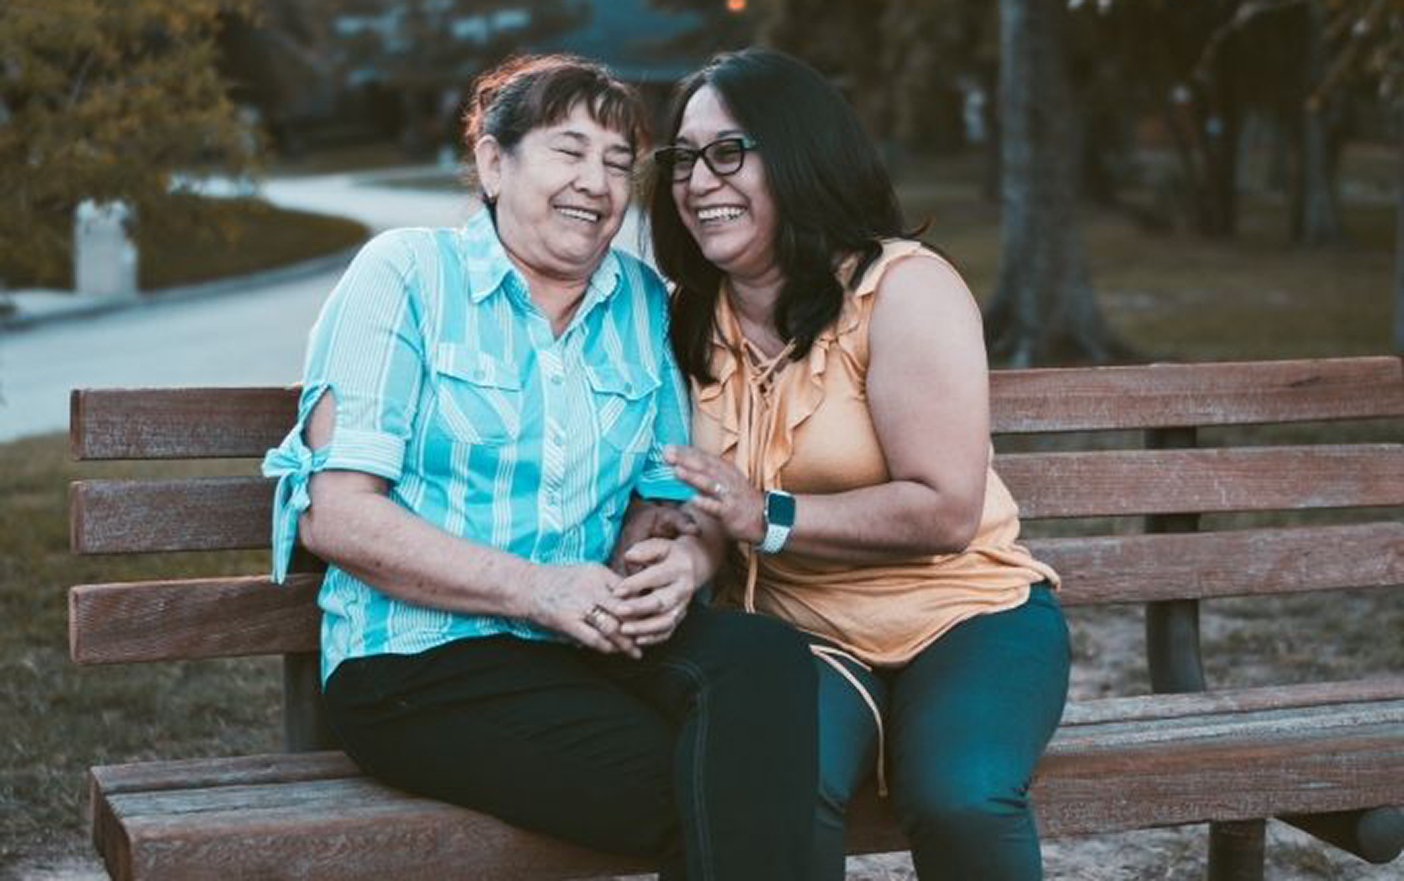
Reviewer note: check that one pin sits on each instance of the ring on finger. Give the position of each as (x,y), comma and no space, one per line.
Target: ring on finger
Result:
(719,489)
(597,618)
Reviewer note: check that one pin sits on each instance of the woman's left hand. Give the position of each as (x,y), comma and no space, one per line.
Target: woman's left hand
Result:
(722,491)
(653,601)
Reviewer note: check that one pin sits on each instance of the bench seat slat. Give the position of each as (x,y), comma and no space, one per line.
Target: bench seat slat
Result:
(1141,708)
(228,617)
(224,771)
(244,422)
(361,828)
(129,516)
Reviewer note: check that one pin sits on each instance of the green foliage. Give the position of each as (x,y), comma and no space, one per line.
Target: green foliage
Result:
(107,100)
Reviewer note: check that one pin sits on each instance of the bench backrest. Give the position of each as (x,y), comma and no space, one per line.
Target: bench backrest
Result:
(1167,482)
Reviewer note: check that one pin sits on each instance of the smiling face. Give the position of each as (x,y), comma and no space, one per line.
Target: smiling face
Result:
(561,194)
(732,218)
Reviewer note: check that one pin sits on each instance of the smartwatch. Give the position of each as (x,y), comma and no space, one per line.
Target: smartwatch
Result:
(779,520)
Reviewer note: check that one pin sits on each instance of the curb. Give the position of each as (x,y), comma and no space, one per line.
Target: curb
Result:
(20,320)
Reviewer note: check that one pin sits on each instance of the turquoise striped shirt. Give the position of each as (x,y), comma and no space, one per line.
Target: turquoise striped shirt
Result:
(450,384)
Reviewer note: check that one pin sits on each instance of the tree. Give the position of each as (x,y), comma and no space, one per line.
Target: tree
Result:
(905,64)
(1044,309)
(1369,40)
(426,52)
(107,100)
(1315,205)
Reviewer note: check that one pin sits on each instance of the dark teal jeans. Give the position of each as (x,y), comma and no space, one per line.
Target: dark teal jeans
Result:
(966,721)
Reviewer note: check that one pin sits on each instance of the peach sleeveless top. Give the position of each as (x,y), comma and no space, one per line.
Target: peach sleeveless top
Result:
(804,426)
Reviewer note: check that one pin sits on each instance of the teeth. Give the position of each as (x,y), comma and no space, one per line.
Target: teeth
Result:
(580,214)
(721,212)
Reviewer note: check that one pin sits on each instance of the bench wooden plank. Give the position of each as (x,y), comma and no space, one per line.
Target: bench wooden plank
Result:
(179,423)
(348,828)
(1178,395)
(1241,562)
(1219,780)
(193,514)
(354,827)
(244,422)
(1132,482)
(1231,700)
(196,618)
(130,516)
(223,771)
(227,617)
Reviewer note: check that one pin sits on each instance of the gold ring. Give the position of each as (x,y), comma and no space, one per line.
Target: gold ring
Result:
(592,617)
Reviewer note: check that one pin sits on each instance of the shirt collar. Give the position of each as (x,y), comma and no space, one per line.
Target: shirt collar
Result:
(489,265)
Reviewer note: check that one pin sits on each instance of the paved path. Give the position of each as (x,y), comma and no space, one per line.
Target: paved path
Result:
(242,336)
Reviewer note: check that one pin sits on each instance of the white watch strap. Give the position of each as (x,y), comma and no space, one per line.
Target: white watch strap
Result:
(775,538)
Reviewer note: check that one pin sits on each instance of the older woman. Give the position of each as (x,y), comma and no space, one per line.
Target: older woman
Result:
(841,423)
(478,407)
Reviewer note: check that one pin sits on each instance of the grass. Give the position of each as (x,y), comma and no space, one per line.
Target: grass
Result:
(1172,295)
(235,237)
(59,718)
(250,235)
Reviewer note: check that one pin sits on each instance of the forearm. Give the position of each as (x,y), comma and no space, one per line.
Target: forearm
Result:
(891,521)
(410,559)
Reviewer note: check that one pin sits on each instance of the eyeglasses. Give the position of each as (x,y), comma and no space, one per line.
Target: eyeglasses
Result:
(724,157)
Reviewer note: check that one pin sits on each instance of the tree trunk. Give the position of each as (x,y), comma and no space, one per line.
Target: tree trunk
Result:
(1399,234)
(1319,222)
(1044,309)
(1219,111)
(1219,217)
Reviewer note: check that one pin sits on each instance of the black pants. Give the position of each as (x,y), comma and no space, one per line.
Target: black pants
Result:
(703,753)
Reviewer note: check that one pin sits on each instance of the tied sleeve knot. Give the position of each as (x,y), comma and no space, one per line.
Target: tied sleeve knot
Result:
(293,464)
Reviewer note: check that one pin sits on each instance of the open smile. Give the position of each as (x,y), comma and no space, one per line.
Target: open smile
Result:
(583,214)
(719,213)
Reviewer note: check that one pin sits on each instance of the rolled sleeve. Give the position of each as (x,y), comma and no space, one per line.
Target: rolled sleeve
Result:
(292,463)
(366,349)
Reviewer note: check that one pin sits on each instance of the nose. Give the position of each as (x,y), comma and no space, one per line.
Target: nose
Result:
(702,179)
(590,178)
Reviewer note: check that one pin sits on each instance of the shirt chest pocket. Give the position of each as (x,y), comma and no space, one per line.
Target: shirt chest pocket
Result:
(478,396)
(625,405)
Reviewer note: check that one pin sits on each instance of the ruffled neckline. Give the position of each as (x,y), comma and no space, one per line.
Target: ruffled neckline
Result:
(798,387)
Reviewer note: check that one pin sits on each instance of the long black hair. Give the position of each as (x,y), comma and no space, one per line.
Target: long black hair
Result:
(832,195)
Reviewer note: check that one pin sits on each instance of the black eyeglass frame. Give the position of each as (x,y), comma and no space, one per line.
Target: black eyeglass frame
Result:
(673,157)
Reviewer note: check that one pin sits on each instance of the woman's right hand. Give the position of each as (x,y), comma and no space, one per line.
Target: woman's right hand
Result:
(578,601)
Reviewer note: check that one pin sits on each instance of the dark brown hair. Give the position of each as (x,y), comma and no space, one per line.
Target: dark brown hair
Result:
(529,91)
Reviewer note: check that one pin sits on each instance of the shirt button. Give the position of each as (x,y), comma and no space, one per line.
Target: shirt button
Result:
(557,379)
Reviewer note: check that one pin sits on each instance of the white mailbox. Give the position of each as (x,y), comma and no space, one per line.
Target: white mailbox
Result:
(104,258)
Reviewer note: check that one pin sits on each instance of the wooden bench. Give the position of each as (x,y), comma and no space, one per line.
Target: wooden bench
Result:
(1327,756)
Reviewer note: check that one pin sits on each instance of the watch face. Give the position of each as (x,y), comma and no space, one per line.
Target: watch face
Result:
(780,508)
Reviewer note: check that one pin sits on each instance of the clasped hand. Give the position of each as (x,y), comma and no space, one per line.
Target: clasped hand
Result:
(615,614)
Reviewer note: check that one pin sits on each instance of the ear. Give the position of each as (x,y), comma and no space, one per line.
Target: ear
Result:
(487,159)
